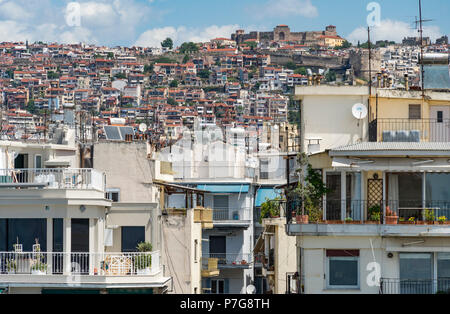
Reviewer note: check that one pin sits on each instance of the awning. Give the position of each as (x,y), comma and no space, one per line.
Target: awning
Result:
(392,164)
(57,163)
(266,193)
(224,188)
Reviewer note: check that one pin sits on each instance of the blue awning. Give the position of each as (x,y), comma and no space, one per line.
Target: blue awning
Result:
(224,188)
(266,193)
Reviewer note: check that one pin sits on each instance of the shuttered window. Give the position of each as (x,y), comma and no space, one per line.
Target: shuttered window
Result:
(415,112)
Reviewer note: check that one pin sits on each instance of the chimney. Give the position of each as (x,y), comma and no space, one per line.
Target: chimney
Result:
(390,82)
(406,82)
(385,80)
(318,80)
(310,80)
(379,80)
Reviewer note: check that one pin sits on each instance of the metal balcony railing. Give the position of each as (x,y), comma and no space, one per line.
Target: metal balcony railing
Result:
(423,286)
(83,264)
(231,214)
(408,211)
(230,259)
(60,178)
(409,130)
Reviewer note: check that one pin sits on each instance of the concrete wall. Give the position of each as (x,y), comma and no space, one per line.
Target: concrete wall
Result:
(327,114)
(127,167)
(181,253)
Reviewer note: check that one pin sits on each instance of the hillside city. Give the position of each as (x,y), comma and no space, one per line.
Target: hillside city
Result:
(266,162)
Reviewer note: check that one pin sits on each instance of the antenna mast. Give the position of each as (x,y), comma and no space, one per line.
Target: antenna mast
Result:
(421,49)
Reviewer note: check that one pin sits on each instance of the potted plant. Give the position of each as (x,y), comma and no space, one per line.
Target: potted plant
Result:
(11,266)
(39,269)
(442,220)
(374,214)
(391,217)
(270,209)
(309,191)
(410,221)
(143,261)
(430,218)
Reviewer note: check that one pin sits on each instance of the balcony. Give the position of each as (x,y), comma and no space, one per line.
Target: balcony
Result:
(358,217)
(69,179)
(93,269)
(229,217)
(230,260)
(409,130)
(398,286)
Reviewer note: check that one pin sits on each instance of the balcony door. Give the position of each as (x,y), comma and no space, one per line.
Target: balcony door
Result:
(440,124)
(416,273)
(218,248)
(80,245)
(221,210)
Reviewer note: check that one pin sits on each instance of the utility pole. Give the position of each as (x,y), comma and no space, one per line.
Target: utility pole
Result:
(421,49)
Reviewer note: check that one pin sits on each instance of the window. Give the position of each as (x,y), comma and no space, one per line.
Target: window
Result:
(415,112)
(343,269)
(264,170)
(113,195)
(131,237)
(38,161)
(440,116)
(217,286)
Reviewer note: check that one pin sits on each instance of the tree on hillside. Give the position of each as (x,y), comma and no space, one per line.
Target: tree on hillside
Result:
(167,43)
(188,47)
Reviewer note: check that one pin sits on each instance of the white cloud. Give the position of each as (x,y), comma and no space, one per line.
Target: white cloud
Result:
(102,21)
(392,31)
(284,8)
(154,37)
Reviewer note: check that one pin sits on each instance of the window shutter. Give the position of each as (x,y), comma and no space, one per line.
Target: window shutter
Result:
(415,112)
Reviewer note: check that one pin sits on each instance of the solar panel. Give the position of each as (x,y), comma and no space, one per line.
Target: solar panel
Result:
(118,133)
(437,77)
(126,131)
(112,133)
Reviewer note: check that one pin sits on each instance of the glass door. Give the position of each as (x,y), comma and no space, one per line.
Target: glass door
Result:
(416,273)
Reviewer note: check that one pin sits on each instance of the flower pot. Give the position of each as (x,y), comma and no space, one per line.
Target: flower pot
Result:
(144,272)
(302,219)
(370,222)
(334,222)
(391,220)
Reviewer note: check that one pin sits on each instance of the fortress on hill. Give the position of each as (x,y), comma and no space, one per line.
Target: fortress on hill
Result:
(283,33)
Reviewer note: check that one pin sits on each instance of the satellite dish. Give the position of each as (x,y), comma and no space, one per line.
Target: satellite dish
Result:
(251,289)
(359,111)
(142,127)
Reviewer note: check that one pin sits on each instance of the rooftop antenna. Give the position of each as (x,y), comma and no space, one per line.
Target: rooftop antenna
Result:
(420,22)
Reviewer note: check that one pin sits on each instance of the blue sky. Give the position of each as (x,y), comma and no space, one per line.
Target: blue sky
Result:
(147,22)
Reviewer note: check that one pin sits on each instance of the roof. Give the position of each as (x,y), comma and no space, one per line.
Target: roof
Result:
(393,149)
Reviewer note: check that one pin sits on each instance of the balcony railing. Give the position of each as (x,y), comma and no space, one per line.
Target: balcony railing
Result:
(406,211)
(54,178)
(398,286)
(409,130)
(82,264)
(230,259)
(231,214)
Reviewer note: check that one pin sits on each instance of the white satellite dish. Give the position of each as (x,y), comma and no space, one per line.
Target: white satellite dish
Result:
(251,289)
(359,111)
(143,127)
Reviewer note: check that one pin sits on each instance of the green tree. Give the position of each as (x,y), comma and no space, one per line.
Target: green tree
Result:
(167,43)
(120,76)
(204,74)
(173,84)
(330,76)
(186,58)
(52,75)
(148,68)
(165,60)
(31,107)
(301,70)
(291,65)
(188,47)
(253,45)
(172,101)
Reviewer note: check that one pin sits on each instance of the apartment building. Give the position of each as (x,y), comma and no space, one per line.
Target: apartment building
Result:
(66,230)
(384,216)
